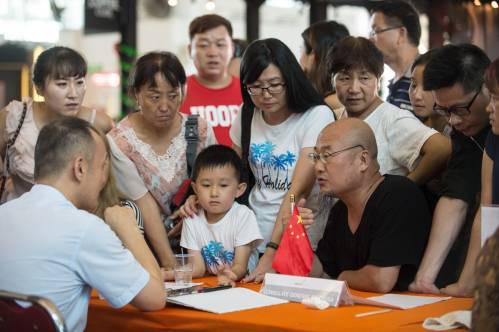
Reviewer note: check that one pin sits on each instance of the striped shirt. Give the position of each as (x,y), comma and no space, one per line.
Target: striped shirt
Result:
(399,93)
(137,213)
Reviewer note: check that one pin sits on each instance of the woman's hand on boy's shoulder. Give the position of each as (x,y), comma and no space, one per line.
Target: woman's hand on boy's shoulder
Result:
(190,207)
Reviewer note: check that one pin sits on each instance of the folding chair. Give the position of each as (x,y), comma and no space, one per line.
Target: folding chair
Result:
(40,314)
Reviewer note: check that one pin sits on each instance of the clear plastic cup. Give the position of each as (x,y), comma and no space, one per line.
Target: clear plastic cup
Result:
(183,269)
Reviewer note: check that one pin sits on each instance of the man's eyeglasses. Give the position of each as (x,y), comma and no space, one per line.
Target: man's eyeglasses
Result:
(456,110)
(373,33)
(272,89)
(324,156)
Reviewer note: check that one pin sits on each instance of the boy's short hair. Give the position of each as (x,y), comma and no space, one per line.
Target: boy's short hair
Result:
(207,22)
(217,156)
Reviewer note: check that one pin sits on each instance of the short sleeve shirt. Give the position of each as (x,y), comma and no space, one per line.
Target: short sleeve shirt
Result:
(393,232)
(50,248)
(217,242)
(273,154)
(462,178)
(399,92)
(218,107)
(399,137)
(139,169)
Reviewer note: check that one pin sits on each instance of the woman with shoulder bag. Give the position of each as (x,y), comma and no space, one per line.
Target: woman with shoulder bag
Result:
(149,147)
(59,77)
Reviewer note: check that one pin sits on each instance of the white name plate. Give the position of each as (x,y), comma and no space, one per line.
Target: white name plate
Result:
(295,289)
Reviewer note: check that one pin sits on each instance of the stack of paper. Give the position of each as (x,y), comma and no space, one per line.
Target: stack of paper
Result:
(174,286)
(227,300)
(404,301)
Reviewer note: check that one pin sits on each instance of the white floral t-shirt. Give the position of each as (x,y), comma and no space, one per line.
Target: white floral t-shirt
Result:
(217,242)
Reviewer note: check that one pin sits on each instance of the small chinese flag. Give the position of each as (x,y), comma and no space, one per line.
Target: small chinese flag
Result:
(294,255)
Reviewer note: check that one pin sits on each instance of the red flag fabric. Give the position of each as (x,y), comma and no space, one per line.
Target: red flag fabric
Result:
(294,255)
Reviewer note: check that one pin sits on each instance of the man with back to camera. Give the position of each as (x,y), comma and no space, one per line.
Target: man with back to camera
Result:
(212,92)
(52,247)
(455,76)
(395,30)
(370,241)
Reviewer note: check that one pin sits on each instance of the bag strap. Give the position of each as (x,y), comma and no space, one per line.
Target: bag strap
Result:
(10,143)
(246,118)
(192,138)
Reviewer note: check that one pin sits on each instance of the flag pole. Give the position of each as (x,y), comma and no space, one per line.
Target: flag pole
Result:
(292,199)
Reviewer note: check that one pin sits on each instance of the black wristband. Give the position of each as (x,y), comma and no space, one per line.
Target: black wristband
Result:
(272,245)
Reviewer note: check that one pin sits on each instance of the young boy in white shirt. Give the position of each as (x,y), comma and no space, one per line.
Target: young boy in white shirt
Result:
(223,235)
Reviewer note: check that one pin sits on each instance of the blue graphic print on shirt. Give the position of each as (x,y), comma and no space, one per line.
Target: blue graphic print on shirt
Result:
(272,170)
(215,256)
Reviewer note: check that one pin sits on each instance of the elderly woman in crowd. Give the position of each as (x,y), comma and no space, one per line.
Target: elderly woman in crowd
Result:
(59,77)
(149,146)
(405,145)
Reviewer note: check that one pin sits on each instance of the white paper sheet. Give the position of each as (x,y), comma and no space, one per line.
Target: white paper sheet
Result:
(227,300)
(174,286)
(407,301)
(490,221)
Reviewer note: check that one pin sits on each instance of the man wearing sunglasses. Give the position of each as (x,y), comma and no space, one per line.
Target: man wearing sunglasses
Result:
(376,233)
(455,76)
(395,30)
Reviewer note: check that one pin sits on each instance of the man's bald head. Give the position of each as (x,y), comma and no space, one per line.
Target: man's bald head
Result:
(350,132)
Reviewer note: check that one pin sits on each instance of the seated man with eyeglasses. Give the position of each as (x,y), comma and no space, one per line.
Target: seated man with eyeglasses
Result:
(455,75)
(377,232)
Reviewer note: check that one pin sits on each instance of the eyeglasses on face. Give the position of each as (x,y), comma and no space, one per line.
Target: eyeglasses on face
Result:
(456,110)
(375,32)
(324,156)
(273,89)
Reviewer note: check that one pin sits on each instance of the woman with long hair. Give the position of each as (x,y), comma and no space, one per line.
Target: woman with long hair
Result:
(318,41)
(281,117)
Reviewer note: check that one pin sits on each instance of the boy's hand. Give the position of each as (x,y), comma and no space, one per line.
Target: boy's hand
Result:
(190,207)
(226,276)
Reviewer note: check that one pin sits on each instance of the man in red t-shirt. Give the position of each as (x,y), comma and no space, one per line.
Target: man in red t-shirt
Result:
(212,93)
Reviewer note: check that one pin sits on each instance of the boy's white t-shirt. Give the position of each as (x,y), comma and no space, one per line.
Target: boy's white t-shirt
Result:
(274,152)
(217,242)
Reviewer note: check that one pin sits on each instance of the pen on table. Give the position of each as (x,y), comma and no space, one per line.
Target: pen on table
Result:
(369,313)
(196,290)
(212,289)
